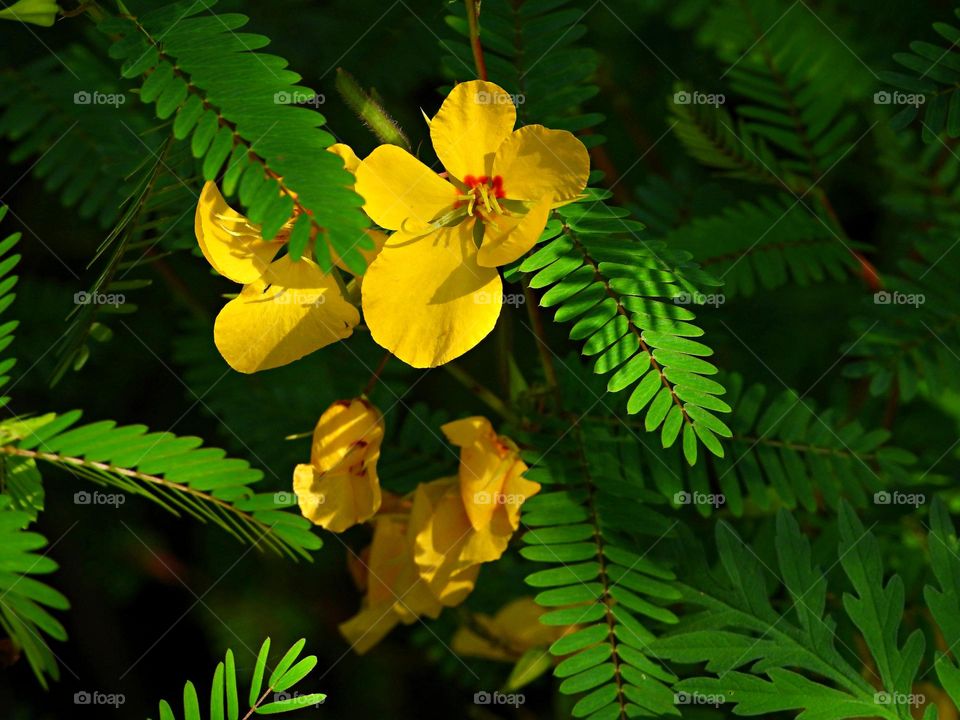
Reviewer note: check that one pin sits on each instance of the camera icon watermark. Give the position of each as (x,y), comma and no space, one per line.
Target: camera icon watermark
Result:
(498,698)
(291,296)
(84,497)
(714,500)
(885,497)
(695,698)
(85,97)
(99,298)
(84,697)
(695,97)
(482,97)
(485,298)
(899,699)
(883,97)
(300,700)
(896,297)
(284,97)
(289,499)
(699,298)
(498,498)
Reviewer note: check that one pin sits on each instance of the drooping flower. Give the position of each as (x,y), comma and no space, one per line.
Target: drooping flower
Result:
(434,292)
(512,631)
(36,12)
(460,523)
(395,591)
(340,487)
(427,555)
(286,309)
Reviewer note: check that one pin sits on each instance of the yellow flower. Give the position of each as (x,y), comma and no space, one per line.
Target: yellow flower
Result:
(395,592)
(286,309)
(340,487)
(515,629)
(459,523)
(38,12)
(434,292)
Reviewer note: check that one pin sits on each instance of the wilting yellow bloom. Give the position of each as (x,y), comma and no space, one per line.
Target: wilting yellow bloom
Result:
(395,592)
(506,636)
(434,292)
(459,523)
(286,309)
(340,487)
(38,12)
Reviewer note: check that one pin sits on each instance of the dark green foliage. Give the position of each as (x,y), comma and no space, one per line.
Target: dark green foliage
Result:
(930,83)
(593,523)
(762,246)
(907,337)
(757,639)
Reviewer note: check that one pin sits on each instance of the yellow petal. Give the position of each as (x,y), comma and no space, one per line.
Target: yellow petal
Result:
(340,488)
(229,242)
(536,163)
(393,576)
(397,188)
(368,627)
(491,482)
(506,239)
(346,153)
(292,311)
(439,533)
(515,629)
(343,427)
(472,122)
(426,300)
(336,500)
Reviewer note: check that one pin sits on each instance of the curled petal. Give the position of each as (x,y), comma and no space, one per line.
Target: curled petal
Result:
(536,163)
(229,242)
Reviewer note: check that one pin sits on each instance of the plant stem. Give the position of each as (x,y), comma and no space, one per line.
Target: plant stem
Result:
(372,382)
(473,22)
(484,394)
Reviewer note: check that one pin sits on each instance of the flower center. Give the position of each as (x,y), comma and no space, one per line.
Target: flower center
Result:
(482,194)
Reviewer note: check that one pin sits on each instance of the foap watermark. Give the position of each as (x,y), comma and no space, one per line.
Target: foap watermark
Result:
(714,500)
(698,698)
(99,298)
(695,97)
(883,97)
(885,497)
(485,298)
(482,97)
(284,97)
(899,699)
(898,298)
(300,700)
(83,497)
(85,97)
(84,697)
(289,296)
(498,698)
(699,298)
(289,499)
(498,498)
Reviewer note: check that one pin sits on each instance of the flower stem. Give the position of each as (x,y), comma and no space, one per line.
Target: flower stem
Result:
(484,394)
(473,22)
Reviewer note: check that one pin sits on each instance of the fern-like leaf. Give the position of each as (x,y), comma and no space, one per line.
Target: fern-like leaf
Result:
(234,104)
(224,694)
